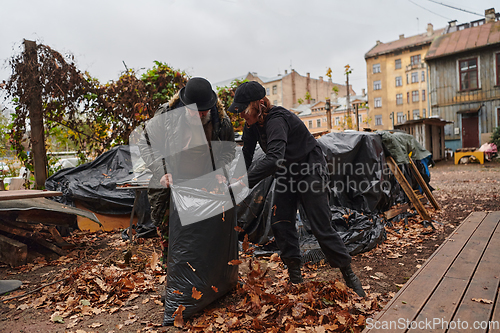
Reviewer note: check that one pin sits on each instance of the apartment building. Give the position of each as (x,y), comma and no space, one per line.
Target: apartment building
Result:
(397,79)
(292,89)
(464,67)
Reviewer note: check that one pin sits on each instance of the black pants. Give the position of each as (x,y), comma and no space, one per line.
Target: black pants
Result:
(313,196)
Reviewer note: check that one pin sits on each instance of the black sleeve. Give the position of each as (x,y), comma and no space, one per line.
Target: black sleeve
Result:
(277,136)
(226,133)
(269,165)
(249,142)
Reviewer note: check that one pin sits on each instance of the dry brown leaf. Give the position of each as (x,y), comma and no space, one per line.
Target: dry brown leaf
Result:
(196,294)
(179,321)
(215,289)
(482,300)
(94,325)
(177,292)
(234,262)
(144,301)
(239,229)
(158,302)
(162,279)
(154,260)
(246,244)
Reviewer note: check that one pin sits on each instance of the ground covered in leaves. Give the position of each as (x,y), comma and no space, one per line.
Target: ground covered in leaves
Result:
(106,285)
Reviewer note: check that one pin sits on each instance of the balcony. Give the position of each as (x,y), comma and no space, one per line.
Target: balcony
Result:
(415,66)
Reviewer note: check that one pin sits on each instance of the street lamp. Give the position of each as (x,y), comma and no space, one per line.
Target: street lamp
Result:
(328,115)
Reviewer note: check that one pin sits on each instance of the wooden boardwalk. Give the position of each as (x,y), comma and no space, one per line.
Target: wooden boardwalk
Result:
(443,295)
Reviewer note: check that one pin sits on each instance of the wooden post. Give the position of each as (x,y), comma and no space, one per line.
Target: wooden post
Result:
(423,185)
(407,188)
(36,117)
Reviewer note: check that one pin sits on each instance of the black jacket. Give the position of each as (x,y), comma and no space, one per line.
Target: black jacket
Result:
(161,132)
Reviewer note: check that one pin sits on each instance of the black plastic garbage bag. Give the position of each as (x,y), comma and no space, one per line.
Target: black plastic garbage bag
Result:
(359,232)
(199,256)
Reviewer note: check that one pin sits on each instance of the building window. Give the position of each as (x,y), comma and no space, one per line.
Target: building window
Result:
(378,102)
(424,113)
(468,74)
(360,119)
(318,122)
(399,81)
(416,114)
(313,100)
(378,120)
(337,121)
(498,69)
(397,64)
(376,68)
(377,85)
(423,95)
(423,77)
(415,60)
(407,79)
(324,120)
(408,97)
(268,91)
(414,96)
(275,89)
(275,102)
(310,123)
(401,117)
(414,77)
(399,99)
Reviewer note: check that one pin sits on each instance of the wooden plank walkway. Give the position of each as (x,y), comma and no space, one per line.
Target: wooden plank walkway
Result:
(439,296)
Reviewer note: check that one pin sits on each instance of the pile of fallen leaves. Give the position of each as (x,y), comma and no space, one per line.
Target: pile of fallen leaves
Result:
(265,302)
(93,286)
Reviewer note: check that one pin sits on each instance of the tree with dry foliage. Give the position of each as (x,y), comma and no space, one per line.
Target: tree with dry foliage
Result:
(96,116)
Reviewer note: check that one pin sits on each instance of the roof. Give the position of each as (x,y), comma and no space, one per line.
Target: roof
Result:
(342,101)
(403,43)
(429,121)
(226,83)
(464,40)
(302,109)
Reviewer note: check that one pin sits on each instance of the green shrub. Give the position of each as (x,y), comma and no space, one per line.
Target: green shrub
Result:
(495,137)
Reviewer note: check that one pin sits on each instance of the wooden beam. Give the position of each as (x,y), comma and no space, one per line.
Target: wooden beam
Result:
(396,211)
(35,236)
(423,185)
(407,188)
(12,252)
(36,116)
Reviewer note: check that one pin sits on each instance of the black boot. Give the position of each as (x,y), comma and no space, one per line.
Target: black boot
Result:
(352,280)
(294,272)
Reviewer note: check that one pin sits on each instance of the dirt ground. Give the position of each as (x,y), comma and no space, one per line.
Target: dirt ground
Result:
(459,189)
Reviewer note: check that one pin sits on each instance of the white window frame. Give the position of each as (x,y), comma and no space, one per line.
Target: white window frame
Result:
(377,85)
(377,118)
(318,122)
(417,112)
(376,68)
(399,79)
(377,102)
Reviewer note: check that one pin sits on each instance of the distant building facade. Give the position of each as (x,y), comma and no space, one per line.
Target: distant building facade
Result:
(292,89)
(464,66)
(397,79)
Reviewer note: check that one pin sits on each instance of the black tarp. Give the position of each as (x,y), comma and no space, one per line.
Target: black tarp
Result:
(359,176)
(94,184)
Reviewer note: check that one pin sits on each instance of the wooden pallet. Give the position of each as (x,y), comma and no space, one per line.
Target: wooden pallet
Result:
(463,268)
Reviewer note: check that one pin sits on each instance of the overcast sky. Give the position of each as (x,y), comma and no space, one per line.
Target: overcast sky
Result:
(222,39)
